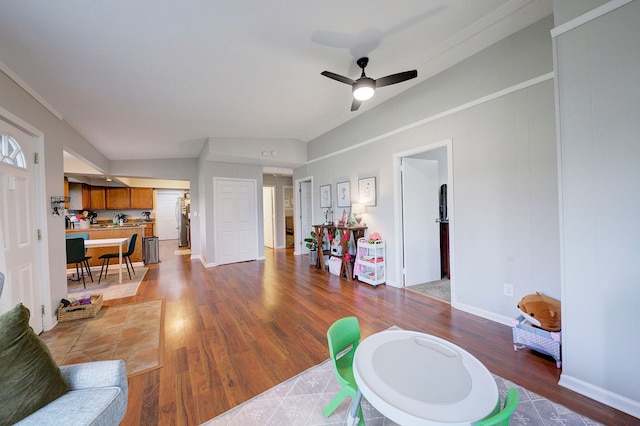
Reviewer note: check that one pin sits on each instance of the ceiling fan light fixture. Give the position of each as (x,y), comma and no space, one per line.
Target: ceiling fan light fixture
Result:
(364,88)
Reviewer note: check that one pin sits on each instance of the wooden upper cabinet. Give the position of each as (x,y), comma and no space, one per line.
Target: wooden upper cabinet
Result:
(86,197)
(97,197)
(66,192)
(118,198)
(142,198)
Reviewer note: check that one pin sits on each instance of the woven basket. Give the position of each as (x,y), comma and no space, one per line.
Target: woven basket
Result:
(70,313)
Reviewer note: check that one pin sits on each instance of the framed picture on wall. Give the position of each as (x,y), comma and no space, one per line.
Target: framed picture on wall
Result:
(344,194)
(325,196)
(367,191)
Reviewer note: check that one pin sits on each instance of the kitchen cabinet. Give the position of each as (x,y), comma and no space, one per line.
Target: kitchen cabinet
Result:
(118,198)
(149,230)
(79,194)
(86,197)
(142,198)
(97,197)
(66,192)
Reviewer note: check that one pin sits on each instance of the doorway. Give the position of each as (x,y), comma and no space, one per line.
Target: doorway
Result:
(288,208)
(165,213)
(268,215)
(303,223)
(425,229)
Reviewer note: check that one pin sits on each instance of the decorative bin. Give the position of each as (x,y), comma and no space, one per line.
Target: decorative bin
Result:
(89,310)
(543,341)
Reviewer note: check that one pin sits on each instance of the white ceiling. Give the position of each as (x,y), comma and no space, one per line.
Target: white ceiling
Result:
(143,79)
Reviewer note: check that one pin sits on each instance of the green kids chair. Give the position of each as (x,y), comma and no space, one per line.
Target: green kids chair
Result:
(343,338)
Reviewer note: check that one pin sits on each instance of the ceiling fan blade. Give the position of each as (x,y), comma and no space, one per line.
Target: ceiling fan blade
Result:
(396,78)
(338,77)
(355,105)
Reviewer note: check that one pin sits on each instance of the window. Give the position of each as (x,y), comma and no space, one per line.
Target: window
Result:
(10,151)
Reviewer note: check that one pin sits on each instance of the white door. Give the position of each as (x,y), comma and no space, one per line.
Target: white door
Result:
(165,214)
(420,204)
(268,215)
(236,220)
(306,219)
(18,234)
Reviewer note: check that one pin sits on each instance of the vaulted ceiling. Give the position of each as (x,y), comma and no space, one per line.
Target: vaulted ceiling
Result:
(155,78)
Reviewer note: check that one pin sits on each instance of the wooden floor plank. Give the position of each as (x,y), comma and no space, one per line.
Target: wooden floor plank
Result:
(234,331)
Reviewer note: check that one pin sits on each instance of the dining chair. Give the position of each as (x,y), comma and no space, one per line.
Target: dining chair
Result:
(343,338)
(503,417)
(125,255)
(76,253)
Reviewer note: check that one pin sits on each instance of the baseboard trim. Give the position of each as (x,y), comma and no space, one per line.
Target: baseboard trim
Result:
(501,319)
(599,394)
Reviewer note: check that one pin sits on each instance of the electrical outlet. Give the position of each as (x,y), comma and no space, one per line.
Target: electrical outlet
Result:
(508,290)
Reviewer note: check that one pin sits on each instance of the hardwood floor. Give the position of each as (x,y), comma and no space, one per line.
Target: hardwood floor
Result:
(234,331)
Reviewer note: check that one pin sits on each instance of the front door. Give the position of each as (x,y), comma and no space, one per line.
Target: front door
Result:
(19,252)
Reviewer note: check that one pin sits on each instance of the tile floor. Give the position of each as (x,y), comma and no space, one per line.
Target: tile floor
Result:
(130,332)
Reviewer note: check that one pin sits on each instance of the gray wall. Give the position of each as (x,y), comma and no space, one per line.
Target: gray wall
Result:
(504,169)
(597,66)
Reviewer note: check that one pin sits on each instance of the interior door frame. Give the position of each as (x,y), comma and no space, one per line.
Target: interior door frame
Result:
(272,193)
(297,222)
(397,177)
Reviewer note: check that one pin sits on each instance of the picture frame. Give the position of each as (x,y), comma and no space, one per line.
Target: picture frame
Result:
(325,196)
(367,191)
(343,193)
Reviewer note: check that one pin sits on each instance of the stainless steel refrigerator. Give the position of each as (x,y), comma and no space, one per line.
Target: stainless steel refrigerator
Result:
(182,217)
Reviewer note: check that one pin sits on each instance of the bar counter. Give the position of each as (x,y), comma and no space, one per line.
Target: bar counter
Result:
(96,232)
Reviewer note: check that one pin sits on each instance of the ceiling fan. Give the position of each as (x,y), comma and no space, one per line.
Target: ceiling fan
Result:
(364,87)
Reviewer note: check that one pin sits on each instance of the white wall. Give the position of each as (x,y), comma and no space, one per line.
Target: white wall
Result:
(504,168)
(597,66)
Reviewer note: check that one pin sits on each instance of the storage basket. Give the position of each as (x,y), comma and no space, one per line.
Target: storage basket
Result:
(543,341)
(89,310)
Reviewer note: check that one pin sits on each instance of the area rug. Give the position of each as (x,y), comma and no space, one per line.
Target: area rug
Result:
(133,332)
(439,289)
(300,400)
(182,252)
(109,286)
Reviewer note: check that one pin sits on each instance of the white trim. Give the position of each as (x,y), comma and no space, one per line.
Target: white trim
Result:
(482,313)
(24,86)
(599,394)
(587,17)
(471,104)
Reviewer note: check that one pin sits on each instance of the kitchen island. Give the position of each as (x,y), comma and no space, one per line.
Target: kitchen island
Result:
(104,231)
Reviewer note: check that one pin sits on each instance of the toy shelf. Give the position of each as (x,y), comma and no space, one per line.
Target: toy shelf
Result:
(371,260)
